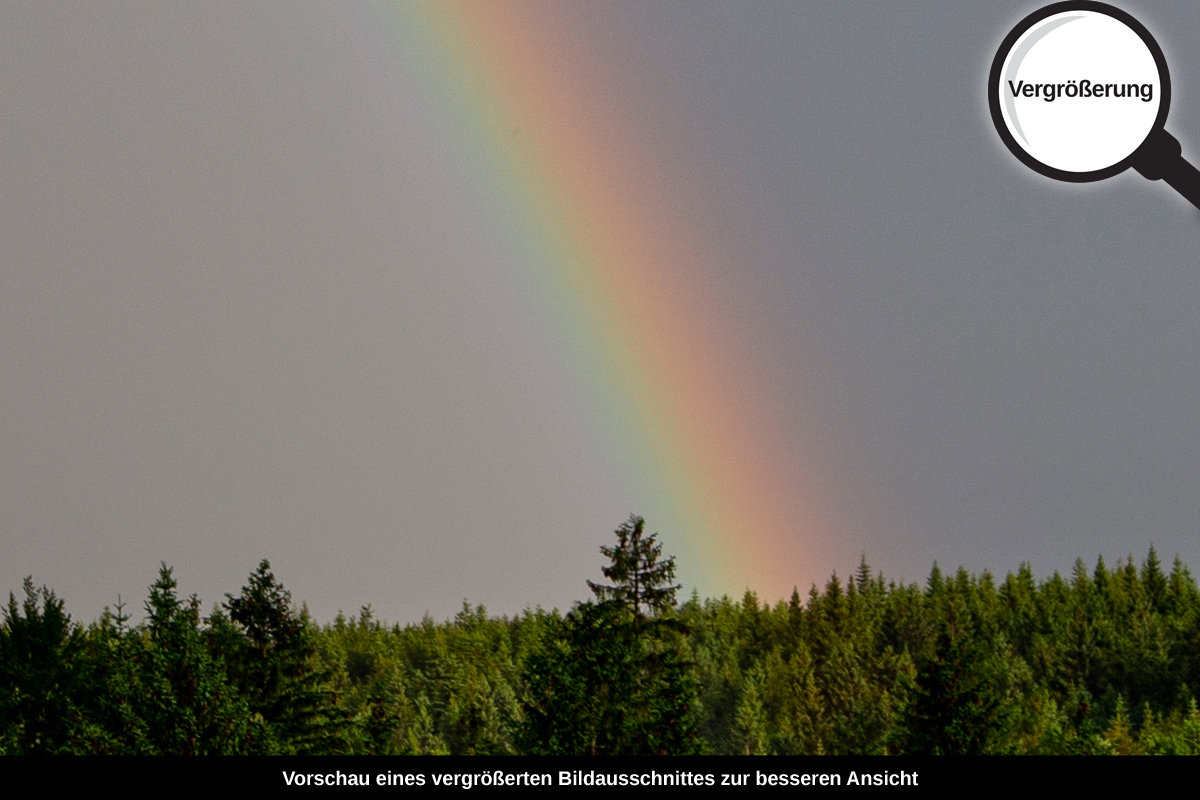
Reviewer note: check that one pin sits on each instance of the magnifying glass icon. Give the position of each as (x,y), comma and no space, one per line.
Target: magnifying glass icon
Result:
(1079,92)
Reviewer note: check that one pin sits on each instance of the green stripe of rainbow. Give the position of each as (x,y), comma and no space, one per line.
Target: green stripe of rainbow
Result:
(612,256)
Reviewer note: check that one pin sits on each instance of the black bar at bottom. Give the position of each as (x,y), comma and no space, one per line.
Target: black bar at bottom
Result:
(732,777)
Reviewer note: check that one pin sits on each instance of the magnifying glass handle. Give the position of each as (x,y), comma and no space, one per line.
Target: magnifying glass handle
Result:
(1161,158)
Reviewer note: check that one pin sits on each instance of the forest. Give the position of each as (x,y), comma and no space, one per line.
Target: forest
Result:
(1099,662)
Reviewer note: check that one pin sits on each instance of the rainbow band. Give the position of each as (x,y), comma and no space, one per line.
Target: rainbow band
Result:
(613,257)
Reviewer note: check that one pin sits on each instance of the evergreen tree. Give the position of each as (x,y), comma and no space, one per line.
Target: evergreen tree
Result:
(1154,581)
(751,714)
(1099,663)
(117,665)
(641,582)
(955,712)
(185,701)
(608,681)
(600,686)
(273,662)
(39,675)
(803,725)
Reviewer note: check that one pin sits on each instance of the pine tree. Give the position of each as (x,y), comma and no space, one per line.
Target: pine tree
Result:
(751,719)
(1154,581)
(641,582)
(39,674)
(803,724)
(954,712)
(602,685)
(274,664)
(607,681)
(184,700)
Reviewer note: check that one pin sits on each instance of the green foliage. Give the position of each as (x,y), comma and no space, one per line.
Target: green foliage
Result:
(1099,662)
(640,582)
(956,710)
(183,697)
(40,674)
(604,683)
(428,688)
(273,661)
(613,677)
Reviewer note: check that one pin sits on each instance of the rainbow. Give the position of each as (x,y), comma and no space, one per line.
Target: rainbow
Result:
(613,257)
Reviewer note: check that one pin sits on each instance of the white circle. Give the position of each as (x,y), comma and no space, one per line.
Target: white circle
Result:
(1111,73)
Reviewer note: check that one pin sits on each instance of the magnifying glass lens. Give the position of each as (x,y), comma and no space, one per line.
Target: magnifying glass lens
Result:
(1079,92)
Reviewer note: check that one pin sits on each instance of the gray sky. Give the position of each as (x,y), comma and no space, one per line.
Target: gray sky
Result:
(242,316)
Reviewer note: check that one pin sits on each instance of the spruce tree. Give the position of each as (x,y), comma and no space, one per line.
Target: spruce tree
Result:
(641,582)
(274,664)
(607,680)
(39,675)
(185,701)
(601,685)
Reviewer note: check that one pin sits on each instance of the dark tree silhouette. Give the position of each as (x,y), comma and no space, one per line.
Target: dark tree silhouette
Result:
(273,661)
(39,651)
(642,582)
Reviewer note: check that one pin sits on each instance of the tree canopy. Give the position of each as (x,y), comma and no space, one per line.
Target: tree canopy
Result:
(640,580)
(1101,661)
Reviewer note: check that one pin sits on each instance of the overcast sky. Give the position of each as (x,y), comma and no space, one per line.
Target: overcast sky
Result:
(240,317)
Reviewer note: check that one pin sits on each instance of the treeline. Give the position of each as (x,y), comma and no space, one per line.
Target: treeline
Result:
(1100,662)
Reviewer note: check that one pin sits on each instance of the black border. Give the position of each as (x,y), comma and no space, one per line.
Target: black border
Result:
(1007,45)
(221,776)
